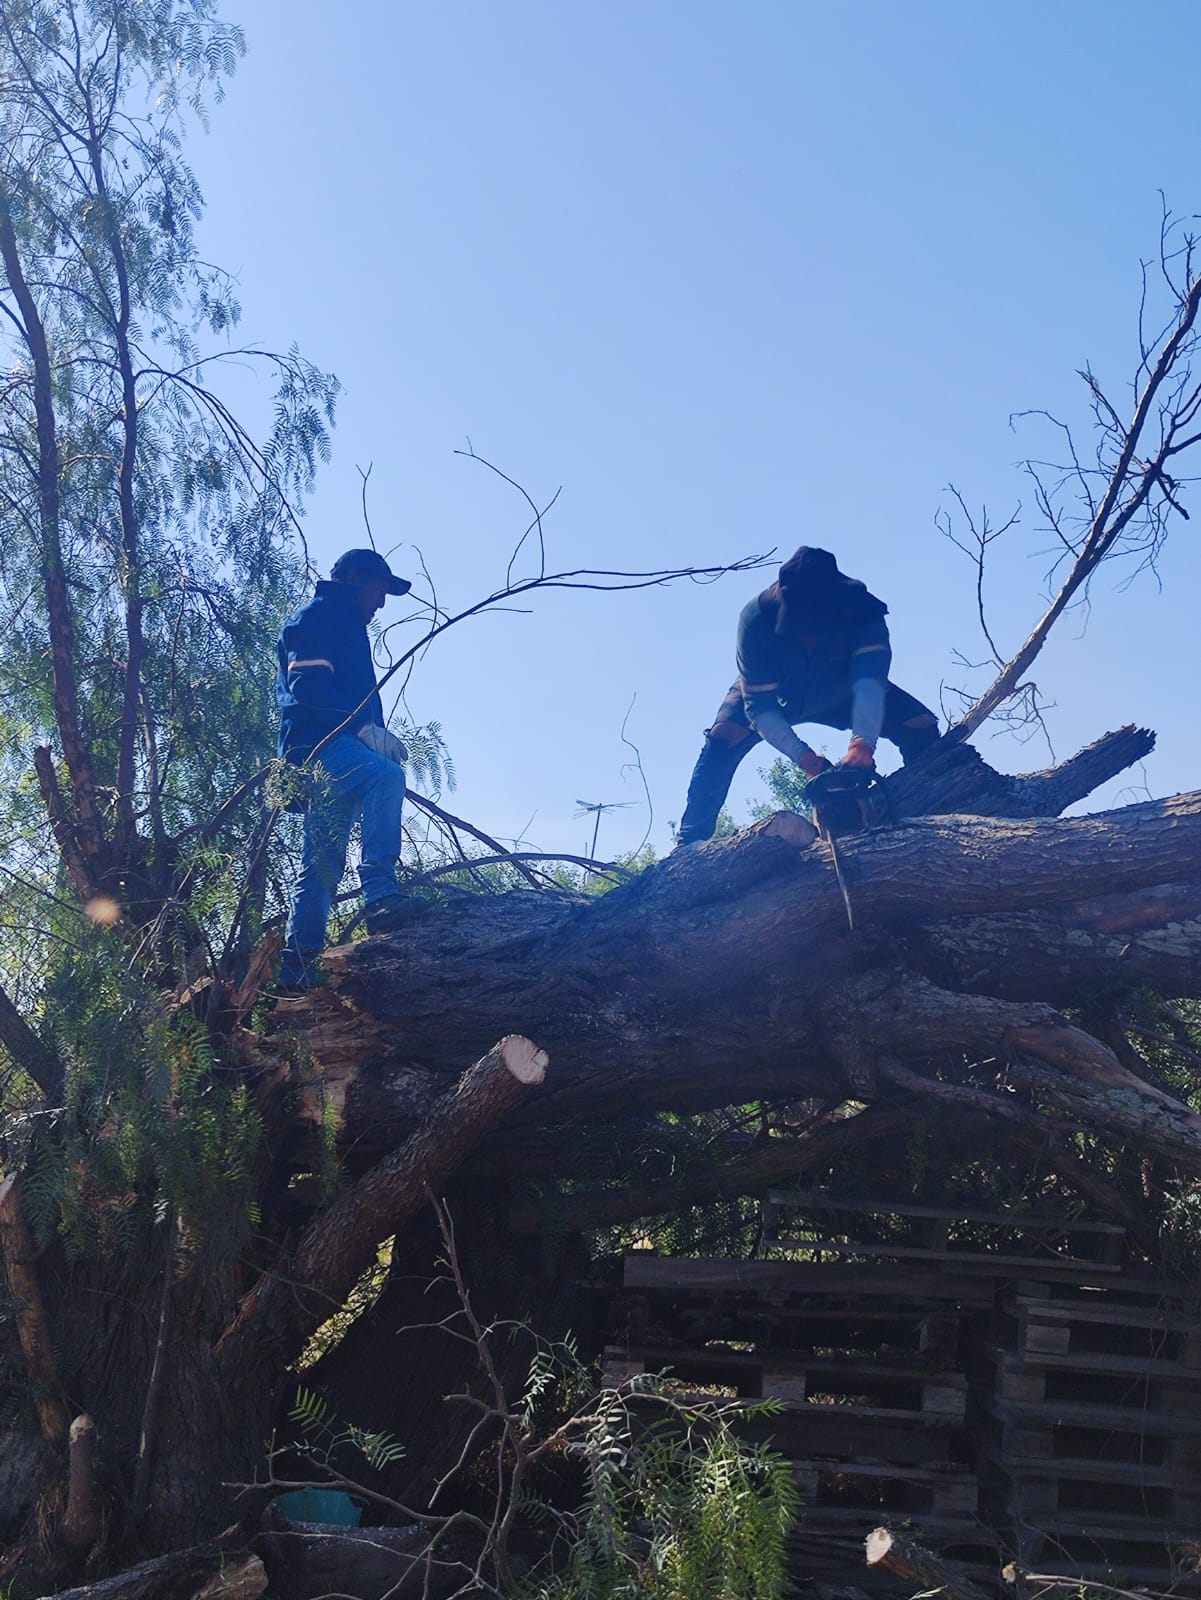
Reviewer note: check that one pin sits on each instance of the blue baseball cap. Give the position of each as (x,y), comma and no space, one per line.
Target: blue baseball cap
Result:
(361,566)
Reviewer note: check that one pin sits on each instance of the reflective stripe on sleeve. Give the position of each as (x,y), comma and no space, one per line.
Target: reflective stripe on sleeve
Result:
(867,649)
(296,666)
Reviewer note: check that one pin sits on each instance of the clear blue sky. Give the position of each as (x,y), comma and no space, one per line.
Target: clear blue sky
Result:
(736,276)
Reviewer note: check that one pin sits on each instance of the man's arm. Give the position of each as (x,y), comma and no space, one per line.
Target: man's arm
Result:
(871,657)
(759,674)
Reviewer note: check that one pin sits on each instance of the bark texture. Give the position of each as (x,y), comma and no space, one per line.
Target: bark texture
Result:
(726,973)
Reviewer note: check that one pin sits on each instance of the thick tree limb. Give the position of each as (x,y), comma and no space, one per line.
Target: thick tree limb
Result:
(65,837)
(58,600)
(954,778)
(721,975)
(29,1052)
(82,1520)
(203,1572)
(290,1303)
(33,1328)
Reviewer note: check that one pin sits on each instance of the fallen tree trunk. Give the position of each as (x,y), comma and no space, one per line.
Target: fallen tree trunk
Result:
(726,973)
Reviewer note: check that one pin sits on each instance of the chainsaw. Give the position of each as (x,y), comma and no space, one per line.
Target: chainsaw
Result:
(846,800)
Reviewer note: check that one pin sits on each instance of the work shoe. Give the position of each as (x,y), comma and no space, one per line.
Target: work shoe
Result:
(393,911)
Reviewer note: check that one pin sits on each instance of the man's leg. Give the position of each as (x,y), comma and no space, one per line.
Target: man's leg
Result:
(910,725)
(383,799)
(327,824)
(376,786)
(729,739)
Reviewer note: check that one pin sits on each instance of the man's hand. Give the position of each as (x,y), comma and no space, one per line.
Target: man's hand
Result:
(811,763)
(383,743)
(860,754)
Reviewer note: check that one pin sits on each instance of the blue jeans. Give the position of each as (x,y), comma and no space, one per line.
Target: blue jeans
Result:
(351,781)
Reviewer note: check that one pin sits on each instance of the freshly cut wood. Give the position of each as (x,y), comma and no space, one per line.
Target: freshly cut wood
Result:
(919,1566)
(81,1522)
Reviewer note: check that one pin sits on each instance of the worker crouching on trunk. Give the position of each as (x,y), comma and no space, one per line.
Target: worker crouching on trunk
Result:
(332,720)
(812,648)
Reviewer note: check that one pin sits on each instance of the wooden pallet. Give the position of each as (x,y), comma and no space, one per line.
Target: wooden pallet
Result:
(1061,1247)
(1033,1491)
(798,1283)
(1026,1422)
(1099,1324)
(1060,1380)
(800,1380)
(883,1490)
(701,1319)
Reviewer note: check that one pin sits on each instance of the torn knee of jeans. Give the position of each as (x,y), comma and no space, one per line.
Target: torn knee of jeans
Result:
(728,733)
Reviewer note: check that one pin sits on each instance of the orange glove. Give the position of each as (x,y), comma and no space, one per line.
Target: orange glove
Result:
(811,764)
(860,754)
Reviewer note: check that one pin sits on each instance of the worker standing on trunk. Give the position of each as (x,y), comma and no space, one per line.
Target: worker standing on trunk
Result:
(332,719)
(812,648)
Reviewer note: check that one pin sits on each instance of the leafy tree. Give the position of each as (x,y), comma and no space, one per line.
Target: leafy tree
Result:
(148,551)
(146,536)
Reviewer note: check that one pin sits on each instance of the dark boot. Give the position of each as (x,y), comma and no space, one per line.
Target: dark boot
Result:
(393,911)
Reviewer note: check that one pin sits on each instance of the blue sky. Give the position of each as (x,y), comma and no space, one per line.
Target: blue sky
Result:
(735,277)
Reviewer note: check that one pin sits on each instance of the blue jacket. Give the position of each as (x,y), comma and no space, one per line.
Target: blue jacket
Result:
(807,674)
(325,672)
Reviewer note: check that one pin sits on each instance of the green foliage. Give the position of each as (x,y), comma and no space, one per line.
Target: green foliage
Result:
(674,1507)
(326,1440)
(152,1122)
(787,788)
(175,525)
(175,528)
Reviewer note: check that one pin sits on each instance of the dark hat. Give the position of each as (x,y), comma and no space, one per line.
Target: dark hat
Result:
(812,596)
(809,568)
(361,566)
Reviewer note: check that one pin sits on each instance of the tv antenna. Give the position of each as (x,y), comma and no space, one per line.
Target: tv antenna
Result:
(589,808)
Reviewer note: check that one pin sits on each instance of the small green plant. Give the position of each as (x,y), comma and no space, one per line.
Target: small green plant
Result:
(325,1438)
(675,1506)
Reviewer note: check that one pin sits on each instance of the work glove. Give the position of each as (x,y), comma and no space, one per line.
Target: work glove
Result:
(383,743)
(860,754)
(811,763)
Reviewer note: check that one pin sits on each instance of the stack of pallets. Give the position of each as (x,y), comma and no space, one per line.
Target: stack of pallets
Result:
(1001,1385)
(1090,1403)
(863,1360)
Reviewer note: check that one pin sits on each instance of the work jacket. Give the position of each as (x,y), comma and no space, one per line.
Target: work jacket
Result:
(326,674)
(809,673)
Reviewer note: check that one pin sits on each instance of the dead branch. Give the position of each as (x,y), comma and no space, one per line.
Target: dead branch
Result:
(1136,474)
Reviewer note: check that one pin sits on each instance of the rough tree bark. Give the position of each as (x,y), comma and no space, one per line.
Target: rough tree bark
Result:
(721,976)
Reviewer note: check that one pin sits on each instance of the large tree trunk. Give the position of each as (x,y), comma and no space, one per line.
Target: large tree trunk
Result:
(727,973)
(724,976)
